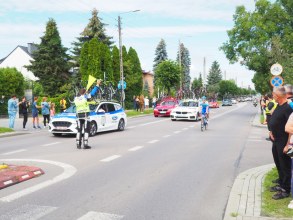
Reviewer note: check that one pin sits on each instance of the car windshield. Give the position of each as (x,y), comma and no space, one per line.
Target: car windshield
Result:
(72,109)
(189,104)
(168,103)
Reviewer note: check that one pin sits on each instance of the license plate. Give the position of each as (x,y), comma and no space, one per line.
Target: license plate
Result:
(61,128)
(163,112)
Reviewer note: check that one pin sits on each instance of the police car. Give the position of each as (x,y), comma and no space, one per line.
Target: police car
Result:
(104,116)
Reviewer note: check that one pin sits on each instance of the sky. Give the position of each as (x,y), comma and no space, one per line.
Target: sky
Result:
(201,25)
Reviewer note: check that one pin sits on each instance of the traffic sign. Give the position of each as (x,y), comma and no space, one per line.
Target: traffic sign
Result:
(277,81)
(276,69)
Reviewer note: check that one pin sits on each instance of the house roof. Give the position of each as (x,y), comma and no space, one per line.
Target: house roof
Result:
(147,72)
(25,49)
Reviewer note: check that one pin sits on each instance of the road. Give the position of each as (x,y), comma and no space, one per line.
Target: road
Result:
(155,169)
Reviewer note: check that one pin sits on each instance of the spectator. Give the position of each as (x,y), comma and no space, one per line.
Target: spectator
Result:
(154,102)
(289,94)
(289,130)
(62,105)
(45,111)
(134,102)
(24,105)
(263,105)
(35,113)
(146,102)
(141,103)
(52,110)
(280,139)
(270,107)
(12,109)
(137,103)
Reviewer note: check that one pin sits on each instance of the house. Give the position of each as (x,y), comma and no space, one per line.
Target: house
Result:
(20,57)
(148,80)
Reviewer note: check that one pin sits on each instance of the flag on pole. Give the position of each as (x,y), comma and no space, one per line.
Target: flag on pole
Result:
(90,82)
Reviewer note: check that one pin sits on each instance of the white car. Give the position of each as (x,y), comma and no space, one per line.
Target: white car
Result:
(187,110)
(234,101)
(104,116)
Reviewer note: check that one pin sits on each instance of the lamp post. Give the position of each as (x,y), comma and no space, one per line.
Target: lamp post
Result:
(121,57)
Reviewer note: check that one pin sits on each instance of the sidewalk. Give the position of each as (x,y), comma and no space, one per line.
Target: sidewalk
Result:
(244,202)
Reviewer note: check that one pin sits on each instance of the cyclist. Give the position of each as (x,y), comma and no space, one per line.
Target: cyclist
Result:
(82,112)
(204,109)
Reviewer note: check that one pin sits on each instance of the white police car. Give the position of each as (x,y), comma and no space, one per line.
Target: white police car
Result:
(104,116)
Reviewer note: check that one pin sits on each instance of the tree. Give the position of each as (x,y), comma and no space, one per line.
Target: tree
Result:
(215,74)
(160,54)
(196,86)
(227,88)
(185,66)
(50,61)
(115,65)
(168,74)
(94,29)
(251,38)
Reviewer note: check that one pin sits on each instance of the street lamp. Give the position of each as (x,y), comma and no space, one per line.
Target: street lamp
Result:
(121,57)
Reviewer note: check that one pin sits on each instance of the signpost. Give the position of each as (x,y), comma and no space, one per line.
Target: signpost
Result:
(277,81)
(276,69)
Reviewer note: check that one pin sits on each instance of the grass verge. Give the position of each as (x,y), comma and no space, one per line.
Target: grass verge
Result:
(4,130)
(271,207)
(131,113)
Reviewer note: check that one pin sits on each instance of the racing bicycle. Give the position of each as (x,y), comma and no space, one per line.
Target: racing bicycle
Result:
(204,122)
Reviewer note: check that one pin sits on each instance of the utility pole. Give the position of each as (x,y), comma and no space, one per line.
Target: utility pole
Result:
(121,62)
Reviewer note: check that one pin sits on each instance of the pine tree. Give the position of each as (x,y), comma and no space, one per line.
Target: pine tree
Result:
(185,66)
(215,74)
(115,65)
(50,61)
(160,54)
(94,29)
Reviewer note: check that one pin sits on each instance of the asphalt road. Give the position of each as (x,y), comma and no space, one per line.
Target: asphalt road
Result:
(155,169)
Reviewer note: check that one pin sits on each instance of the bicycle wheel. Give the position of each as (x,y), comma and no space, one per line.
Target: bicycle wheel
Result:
(201,126)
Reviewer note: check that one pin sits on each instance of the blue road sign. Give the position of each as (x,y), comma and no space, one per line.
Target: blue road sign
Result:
(277,81)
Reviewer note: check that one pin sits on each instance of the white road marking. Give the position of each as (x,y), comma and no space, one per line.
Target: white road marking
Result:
(153,141)
(45,145)
(68,172)
(100,216)
(166,136)
(177,132)
(14,152)
(108,159)
(131,127)
(31,212)
(135,148)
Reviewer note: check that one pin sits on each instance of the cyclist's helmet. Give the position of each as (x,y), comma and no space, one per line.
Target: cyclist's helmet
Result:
(203,98)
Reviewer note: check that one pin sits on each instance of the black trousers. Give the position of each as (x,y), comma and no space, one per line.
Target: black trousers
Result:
(46,117)
(24,120)
(283,164)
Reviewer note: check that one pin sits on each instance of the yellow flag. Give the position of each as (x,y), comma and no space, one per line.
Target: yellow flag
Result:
(90,82)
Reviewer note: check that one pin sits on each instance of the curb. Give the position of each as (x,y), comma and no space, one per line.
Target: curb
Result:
(16,174)
(13,133)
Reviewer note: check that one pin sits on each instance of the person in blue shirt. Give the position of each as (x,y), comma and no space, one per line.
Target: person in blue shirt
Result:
(289,94)
(45,110)
(204,108)
(12,109)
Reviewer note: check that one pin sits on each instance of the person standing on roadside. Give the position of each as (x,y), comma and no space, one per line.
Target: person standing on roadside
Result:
(52,110)
(280,139)
(35,113)
(289,94)
(62,105)
(270,107)
(154,101)
(24,105)
(12,109)
(289,147)
(45,111)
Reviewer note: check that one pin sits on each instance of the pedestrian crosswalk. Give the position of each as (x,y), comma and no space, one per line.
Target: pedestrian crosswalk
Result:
(35,212)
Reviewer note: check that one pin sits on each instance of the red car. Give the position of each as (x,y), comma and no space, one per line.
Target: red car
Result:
(214,104)
(165,107)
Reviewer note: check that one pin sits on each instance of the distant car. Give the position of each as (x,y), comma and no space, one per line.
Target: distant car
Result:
(227,102)
(165,107)
(234,101)
(104,116)
(187,110)
(214,104)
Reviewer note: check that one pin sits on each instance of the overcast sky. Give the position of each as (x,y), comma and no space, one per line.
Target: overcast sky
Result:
(200,25)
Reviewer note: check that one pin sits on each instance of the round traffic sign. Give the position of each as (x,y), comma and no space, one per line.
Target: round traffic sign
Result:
(276,69)
(277,81)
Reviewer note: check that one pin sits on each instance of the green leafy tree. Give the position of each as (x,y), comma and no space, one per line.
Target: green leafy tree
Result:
(94,29)
(115,65)
(168,75)
(251,38)
(50,61)
(160,54)
(133,77)
(227,88)
(185,66)
(196,86)
(215,74)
